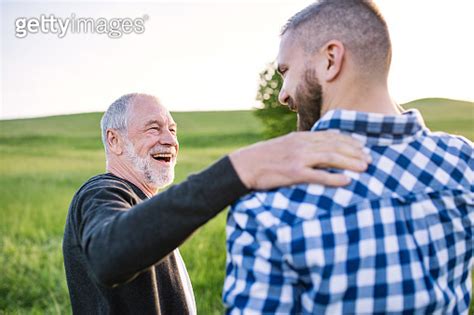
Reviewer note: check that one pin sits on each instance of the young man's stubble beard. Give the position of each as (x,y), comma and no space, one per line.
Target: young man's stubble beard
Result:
(308,99)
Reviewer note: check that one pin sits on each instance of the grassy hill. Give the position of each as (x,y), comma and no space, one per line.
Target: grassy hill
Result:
(455,117)
(44,160)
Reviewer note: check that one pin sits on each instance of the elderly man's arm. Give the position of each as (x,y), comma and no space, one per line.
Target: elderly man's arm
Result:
(299,158)
(120,244)
(121,239)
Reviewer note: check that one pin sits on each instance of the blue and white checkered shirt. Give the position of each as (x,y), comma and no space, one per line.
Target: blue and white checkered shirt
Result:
(397,239)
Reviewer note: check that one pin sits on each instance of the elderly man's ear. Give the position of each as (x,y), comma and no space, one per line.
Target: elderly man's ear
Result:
(115,141)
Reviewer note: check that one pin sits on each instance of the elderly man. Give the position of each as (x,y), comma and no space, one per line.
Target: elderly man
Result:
(399,238)
(120,241)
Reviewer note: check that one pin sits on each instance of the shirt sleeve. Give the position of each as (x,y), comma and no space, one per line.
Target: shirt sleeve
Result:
(258,279)
(121,239)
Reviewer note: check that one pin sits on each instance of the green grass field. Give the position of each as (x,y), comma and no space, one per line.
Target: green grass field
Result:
(44,160)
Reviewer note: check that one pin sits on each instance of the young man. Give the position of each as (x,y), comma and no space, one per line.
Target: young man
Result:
(399,237)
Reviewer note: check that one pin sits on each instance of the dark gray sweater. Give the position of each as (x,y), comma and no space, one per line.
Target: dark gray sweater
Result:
(117,243)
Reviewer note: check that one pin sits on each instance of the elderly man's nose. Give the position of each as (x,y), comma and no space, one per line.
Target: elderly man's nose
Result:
(168,138)
(283,97)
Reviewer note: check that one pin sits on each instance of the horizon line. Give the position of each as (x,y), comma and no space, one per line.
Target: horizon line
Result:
(207,110)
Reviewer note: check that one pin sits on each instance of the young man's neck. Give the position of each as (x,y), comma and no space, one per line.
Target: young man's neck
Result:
(130,175)
(364,98)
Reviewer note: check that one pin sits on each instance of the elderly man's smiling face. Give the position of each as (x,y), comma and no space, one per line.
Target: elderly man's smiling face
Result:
(151,146)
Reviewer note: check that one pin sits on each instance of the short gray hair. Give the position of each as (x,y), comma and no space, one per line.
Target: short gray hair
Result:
(116,116)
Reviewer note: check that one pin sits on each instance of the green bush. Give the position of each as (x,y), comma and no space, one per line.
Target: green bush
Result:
(277,119)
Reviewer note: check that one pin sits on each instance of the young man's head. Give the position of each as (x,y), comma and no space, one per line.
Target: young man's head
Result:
(140,141)
(329,50)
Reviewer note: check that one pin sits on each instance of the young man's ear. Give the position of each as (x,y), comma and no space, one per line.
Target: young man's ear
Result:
(333,57)
(114,141)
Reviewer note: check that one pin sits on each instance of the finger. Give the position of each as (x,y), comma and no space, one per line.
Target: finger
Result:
(326,141)
(345,138)
(333,142)
(335,137)
(341,148)
(325,151)
(351,152)
(339,161)
(325,178)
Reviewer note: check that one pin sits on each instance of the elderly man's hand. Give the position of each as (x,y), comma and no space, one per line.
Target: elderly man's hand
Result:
(299,157)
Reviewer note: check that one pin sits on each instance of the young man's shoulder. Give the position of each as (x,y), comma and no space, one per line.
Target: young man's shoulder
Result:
(283,206)
(446,140)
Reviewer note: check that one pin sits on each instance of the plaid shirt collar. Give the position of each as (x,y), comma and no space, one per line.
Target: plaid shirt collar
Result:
(372,128)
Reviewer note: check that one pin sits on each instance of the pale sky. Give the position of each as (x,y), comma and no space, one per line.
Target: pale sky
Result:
(206,55)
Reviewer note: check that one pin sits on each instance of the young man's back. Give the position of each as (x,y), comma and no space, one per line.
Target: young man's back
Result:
(399,238)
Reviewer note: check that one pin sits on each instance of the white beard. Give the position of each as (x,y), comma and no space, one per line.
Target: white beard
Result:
(155,177)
